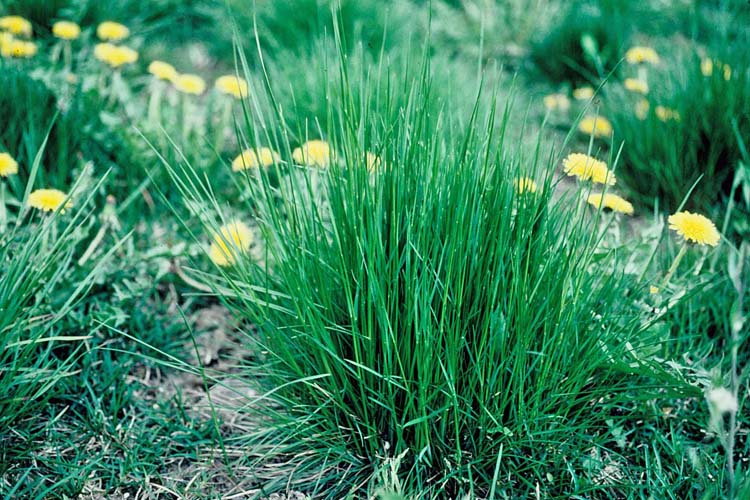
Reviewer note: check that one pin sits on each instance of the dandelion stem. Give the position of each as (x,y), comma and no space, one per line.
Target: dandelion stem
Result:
(185,119)
(154,104)
(67,57)
(3,211)
(225,120)
(674,265)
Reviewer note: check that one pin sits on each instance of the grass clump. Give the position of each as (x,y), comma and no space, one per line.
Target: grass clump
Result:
(425,308)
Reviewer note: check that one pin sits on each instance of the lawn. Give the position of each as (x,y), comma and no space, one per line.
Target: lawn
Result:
(343,249)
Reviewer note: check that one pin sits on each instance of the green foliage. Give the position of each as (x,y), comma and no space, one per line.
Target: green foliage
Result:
(664,157)
(38,289)
(294,26)
(426,309)
(420,331)
(173,21)
(76,136)
(586,43)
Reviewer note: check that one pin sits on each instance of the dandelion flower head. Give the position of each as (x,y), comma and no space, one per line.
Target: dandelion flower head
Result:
(583,93)
(5,40)
(254,158)
(666,114)
(707,68)
(8,166)
(16,25)
(232,85)
(48,200)
(314,153)
(694,227)
(524,185)
(233,238)
(587,168)
(190,84)
(641,109)
(115,56)
(18,49)
(557,101)
(112,31)
(162,71)
(598,126)
(66,30)
(638,55)
(610,201)
(636,85)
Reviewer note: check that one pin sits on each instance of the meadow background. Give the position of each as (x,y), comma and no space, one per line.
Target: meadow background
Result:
(361,249)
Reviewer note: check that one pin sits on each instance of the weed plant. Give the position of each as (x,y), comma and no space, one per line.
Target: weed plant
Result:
(687,131)
(39,287)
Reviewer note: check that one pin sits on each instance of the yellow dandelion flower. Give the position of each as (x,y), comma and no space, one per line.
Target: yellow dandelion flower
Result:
(19,49)
(727,72)
(162,71)
(190,84)
(5,40)
(598,126)
(112,31)
(254,158)
(583,93)
(66,30)
(653,290)
(102,50)
(665,114)
(610,201)
(695,227)
(8,166)
(557,101)
(587,168)
(232,85)
(16,25)
(524,185)
(232,240)
(314,153)
(636,85)
(49,200)
(641,109)
(707,68)
(638,55)
(115,56)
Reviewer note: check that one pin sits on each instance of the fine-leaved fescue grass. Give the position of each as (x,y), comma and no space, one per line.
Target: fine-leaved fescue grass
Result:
(426,310)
